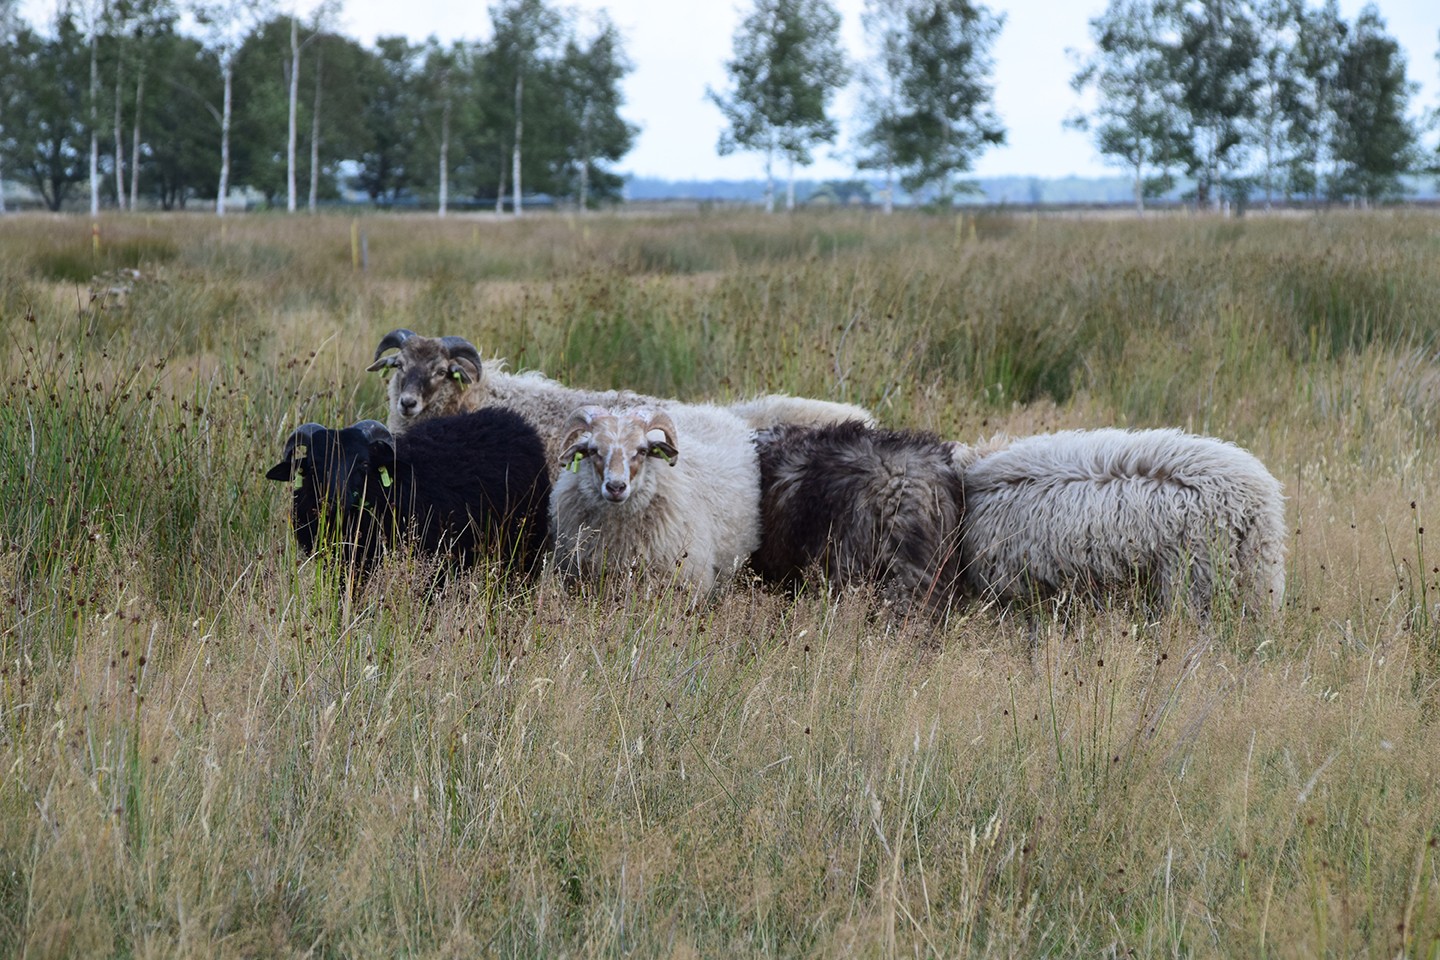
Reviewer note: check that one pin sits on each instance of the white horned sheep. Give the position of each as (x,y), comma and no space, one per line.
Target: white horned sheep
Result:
(1183,517)
(672,491)
(861,505)
(439,376)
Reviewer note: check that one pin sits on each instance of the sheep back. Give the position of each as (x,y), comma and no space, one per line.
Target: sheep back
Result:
(1093,511)
(860,505)
(473,485)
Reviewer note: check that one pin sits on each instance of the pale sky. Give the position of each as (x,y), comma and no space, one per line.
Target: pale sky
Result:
(680,46)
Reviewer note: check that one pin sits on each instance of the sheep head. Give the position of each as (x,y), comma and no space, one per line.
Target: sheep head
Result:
(429,375)
(336,473)
(610,450)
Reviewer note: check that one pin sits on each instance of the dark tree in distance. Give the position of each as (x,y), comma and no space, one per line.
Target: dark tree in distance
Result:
(1136,119)
(1374,140)
(1215,66)
(1280,110)
(10,23)
(788,64)
(1318,46)
(392,111)
(48,102)
(947,117)
(179,154)
(880,102)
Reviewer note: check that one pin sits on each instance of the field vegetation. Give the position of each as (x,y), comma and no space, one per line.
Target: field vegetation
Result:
(212,746)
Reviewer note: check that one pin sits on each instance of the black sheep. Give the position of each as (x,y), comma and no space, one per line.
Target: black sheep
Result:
(467,486)
(860,505)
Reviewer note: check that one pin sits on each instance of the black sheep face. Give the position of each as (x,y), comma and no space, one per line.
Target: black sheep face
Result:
(335,473)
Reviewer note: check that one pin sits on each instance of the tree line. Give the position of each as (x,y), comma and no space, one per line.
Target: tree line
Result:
(1278,99)
(1251,99)
(117,99)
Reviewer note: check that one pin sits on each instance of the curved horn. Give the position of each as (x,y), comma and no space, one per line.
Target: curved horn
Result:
(577,426)
(458,348)
(372,430)
(393,340)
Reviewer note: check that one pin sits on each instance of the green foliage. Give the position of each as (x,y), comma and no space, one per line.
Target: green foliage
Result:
(945,117)
(787,67)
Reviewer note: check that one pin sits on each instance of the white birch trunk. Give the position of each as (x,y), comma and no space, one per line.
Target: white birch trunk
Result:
(135,138)
(228,70)
(519,131)
(315,140)
(94,120)
(444,157)
(769,178)
(790,188)
(290,195)
(119,141)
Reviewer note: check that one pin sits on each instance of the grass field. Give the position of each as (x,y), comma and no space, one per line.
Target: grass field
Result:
(210,747)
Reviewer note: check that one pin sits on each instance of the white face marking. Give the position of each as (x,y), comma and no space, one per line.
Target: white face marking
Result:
(620,450)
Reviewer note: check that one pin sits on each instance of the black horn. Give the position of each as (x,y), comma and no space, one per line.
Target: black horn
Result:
(458,348)
(393,340)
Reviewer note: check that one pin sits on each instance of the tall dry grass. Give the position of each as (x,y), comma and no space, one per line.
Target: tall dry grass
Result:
(212,746)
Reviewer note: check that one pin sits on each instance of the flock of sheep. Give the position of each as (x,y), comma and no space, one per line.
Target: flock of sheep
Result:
(477,462)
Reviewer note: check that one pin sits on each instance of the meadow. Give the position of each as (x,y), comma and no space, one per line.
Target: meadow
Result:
(211,746)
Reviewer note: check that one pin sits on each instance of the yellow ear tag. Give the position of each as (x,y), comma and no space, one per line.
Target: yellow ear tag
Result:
(385,480)
(574,465)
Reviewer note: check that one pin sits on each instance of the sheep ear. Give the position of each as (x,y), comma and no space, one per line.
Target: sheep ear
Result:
(281,471)
(384,363)
(662,448)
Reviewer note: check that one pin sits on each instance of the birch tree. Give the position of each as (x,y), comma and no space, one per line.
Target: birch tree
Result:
(1135,121)
(786,68)
(324,13)
(591,73)
(225,24)
(526,32)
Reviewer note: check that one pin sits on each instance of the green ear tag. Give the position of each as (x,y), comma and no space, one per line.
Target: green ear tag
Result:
(574,465)
(298,482)
(456,375)
(385,480)
(657,452)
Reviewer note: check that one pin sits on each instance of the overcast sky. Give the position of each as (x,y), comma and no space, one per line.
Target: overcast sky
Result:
(680,46)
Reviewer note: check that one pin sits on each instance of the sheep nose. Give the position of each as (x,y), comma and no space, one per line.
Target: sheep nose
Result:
(407,404)
(615,489)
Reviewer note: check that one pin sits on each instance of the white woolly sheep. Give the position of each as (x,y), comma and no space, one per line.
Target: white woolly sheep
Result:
(670,491)
(442,376)
(856,505)
(1183,517)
